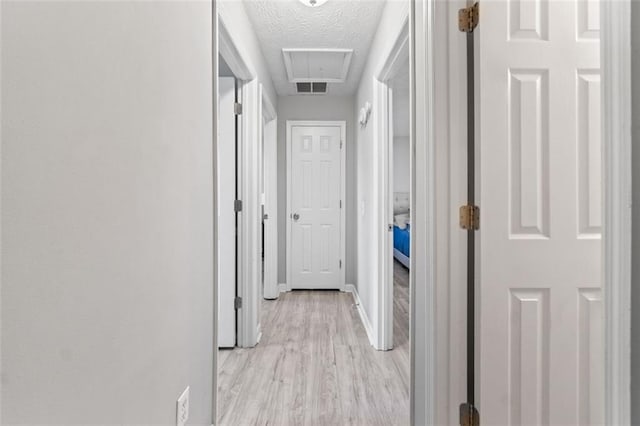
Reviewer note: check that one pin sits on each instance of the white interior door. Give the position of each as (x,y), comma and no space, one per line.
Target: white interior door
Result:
(226,213)
(541,355)
(315,183)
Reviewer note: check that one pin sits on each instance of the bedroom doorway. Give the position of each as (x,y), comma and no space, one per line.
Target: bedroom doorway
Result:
(392,98)
(400,184)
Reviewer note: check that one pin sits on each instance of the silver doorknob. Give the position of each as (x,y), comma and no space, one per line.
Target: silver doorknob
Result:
(296,216)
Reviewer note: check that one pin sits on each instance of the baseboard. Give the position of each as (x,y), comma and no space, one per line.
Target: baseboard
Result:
(282,288)
(350,288)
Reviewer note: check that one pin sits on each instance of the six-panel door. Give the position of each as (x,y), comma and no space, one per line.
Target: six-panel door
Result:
(315,207)
(540,298)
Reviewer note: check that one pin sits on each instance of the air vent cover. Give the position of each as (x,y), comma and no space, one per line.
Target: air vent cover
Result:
(316,87)
(311,65)
(303,87)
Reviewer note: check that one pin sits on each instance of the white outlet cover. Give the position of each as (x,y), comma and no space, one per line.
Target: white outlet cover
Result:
(182,408)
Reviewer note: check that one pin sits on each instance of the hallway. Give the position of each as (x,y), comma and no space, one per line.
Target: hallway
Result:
(315,366)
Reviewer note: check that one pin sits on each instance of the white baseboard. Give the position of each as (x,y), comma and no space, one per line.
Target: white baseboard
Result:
(282,288)
(350,288)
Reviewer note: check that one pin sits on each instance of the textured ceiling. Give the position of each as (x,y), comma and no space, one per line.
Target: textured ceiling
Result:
(349,24)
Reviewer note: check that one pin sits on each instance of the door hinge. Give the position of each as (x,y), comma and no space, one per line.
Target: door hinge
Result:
(237,205)
(468,18)
(237,108)
(469,415)
(470,218)
(340,263)
(340,144)
(340,203)
(237,303)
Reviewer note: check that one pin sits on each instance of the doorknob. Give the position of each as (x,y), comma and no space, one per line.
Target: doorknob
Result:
(296,216)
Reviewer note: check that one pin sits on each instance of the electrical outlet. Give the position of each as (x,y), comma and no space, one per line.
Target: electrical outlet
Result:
(182,408)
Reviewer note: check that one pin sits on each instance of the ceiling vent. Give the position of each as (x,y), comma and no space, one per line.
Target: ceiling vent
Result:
(313,88)
(317,65)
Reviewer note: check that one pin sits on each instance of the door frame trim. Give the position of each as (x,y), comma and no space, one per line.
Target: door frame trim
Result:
(615,54)
(269,155)
(383,140)
(247,274)
(343,189)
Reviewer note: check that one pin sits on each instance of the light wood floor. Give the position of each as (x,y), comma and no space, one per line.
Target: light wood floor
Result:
(314,365)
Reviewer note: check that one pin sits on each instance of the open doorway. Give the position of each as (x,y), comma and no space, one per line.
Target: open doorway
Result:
(400,162)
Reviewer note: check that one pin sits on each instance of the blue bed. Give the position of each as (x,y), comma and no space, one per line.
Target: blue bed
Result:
(402,244)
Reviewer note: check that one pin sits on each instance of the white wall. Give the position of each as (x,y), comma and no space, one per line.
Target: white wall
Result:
(401,102)
(390,25)
(401,126)
(318,107)
(635,290)
(401,165)
(107,279)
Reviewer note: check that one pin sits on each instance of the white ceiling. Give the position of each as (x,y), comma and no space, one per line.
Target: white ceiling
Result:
(345,24)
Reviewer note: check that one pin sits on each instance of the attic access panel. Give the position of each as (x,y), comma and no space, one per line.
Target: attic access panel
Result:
(317,65)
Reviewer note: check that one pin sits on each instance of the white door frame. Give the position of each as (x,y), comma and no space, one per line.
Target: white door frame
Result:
(343,186)
(249,220)
(383,140)
(269,148)
(214,177)
(615,54)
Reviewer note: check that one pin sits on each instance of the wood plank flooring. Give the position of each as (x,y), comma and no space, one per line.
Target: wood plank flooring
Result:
(315,366)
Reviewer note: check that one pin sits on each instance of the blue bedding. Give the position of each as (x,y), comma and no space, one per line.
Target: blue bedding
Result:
(402,240)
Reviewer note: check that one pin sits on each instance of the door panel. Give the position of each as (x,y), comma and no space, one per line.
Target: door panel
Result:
(316,232)
(226,214)
(540,300)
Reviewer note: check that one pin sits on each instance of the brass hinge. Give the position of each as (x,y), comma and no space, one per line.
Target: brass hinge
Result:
(469,415)
(237,303)
(237,108)
(470,218)
(468,18)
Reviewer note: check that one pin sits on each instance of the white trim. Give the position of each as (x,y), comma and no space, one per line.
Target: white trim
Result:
(616,98)
(249,151)
(451,279)
(269,178)
(268,110)
(249,220)
(286,53)
(343,190)
(282,288)
(425,230)
(350,288)
(228,49)
(383,142)
(214,177)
